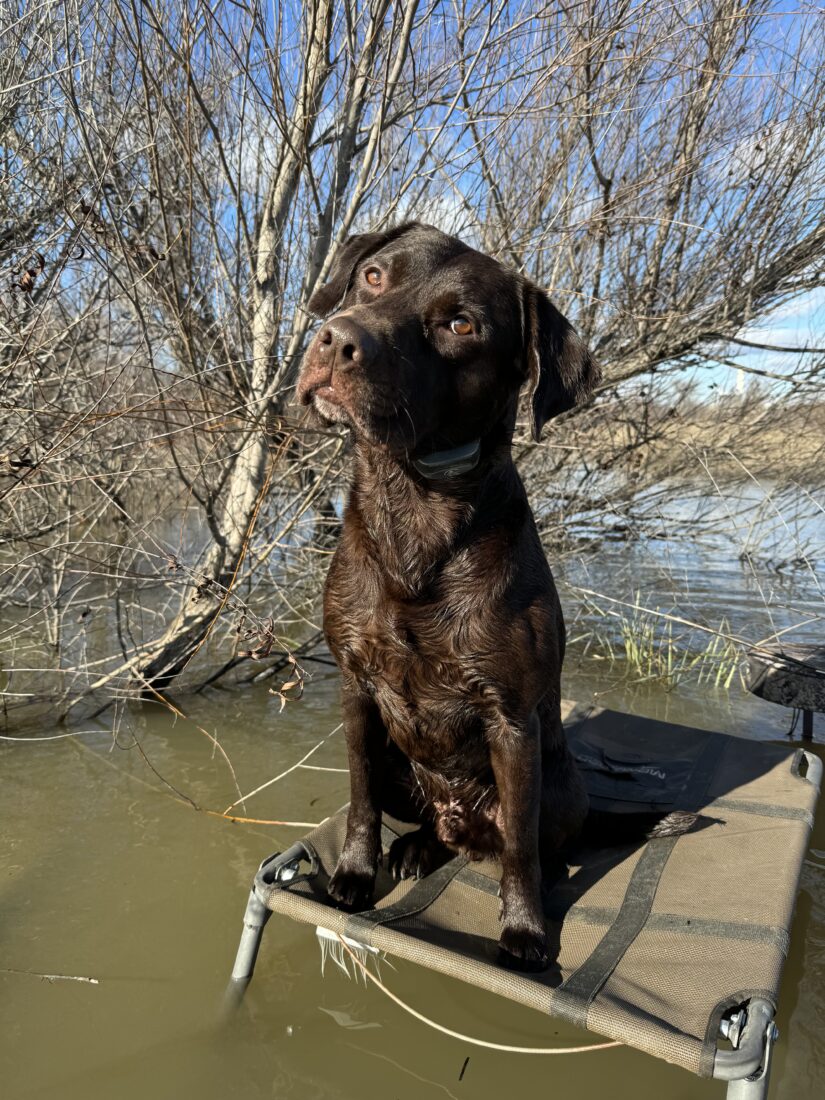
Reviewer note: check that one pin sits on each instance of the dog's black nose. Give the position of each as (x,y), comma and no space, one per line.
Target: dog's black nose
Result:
(346,344)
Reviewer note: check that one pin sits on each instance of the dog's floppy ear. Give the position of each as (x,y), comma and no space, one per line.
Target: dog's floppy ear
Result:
(354,249)
(561,372)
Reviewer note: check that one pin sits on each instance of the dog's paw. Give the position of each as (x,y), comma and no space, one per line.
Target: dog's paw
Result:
(415,854)
(522,949)
(351,890)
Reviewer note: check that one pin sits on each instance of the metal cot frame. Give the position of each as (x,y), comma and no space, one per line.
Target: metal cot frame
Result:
(750,1029)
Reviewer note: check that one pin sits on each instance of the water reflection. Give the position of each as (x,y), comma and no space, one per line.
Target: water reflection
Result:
(106,873)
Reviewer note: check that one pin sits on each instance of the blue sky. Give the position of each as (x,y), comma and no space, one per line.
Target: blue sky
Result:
(798,323)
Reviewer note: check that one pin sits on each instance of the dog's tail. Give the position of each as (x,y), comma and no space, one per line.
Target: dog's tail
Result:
(607,829)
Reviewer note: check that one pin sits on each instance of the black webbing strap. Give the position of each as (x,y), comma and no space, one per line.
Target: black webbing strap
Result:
(420,897)
(764,809)
(585,983)
(469,877)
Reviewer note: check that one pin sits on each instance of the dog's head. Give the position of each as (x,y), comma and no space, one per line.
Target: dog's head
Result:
(426,344)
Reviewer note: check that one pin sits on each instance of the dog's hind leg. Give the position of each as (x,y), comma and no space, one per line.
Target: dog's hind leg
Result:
(564,801)
(401,796)
(416,854)
(413,854)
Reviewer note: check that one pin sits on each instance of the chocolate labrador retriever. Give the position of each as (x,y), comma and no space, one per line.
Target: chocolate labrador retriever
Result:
(439,607)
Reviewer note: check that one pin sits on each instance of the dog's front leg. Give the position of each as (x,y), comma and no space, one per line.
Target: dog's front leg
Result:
(354,879)
(515,751)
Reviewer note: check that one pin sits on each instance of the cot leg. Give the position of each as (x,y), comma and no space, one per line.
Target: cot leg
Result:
(755,1087)
(749,1088)
(807,725)
(254,922)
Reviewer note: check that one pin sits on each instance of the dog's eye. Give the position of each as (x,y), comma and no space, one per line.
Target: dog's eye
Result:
(461,326)
(373,276)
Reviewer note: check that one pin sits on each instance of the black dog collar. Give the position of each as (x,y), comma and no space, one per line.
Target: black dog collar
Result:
(449,464)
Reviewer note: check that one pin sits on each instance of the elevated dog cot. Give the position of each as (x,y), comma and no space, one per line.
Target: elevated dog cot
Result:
(674,946)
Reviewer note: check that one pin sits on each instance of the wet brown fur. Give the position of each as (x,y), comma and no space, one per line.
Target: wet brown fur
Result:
(439,606)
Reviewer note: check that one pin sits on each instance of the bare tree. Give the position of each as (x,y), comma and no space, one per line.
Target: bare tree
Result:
(176,181)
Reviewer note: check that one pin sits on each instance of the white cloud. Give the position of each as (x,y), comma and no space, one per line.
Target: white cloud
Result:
(795,324)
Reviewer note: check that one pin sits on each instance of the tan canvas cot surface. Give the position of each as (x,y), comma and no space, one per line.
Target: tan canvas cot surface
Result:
(655,941)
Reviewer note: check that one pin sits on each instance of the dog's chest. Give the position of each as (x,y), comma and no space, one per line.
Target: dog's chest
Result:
(431,695)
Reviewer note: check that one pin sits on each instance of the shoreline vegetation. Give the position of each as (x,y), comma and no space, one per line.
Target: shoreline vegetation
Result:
(176,185)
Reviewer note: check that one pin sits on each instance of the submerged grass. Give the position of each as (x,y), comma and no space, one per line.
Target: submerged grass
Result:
(650,646)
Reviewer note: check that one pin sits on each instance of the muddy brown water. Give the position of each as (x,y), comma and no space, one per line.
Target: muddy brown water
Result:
(107,874)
